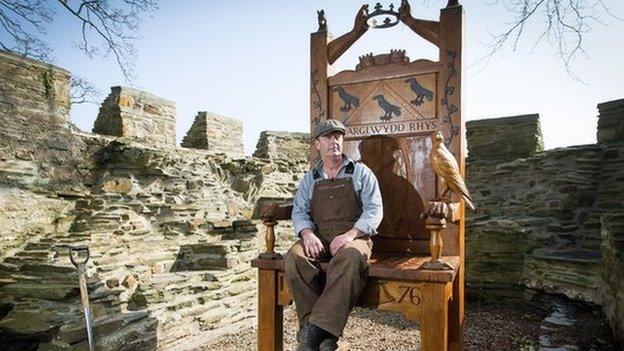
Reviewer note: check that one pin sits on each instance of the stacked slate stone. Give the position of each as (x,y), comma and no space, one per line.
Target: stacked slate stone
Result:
(613,271)
(611,121)
(34,96)
(168,228)
(168,245)
(208,133)
(609,193)
(37,149)
(529,226)
(507,138)
(283,145)
(136,114)
(285,157)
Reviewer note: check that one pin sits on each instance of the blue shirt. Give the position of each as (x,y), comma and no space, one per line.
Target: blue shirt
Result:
(366,187)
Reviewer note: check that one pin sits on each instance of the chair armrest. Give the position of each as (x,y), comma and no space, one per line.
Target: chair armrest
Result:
(270,209)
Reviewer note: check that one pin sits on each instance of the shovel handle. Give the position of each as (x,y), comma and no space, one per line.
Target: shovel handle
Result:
(75,253)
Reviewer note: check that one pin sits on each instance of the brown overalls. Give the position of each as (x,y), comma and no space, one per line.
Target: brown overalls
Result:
(325,299)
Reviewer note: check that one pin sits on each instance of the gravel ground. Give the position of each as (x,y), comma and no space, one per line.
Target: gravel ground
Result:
(499,325)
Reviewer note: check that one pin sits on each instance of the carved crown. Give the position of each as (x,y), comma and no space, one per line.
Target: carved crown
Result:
(369,60)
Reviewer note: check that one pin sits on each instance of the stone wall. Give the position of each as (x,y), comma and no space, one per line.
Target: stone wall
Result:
(504,138)
(136,114)
(611,121)
(286,154)
(613,272)
(215,133)
(41,161)
(282,145)
(168,229)
(170,242)
(34,94)
(538,218)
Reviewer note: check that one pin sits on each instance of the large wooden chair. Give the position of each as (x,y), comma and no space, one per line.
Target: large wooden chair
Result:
(391,107)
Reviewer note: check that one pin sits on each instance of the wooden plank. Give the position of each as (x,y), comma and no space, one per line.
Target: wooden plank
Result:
(390,267)
(389,245)
(270,313)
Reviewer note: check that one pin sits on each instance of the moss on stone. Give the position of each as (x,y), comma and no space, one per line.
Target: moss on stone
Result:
(48,83)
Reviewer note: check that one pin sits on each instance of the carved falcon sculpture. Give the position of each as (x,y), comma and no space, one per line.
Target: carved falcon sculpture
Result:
(445,166)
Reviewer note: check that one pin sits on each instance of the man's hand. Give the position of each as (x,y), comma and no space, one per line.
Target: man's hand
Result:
(311,244)
(343,239)
(360,24)
(405,12)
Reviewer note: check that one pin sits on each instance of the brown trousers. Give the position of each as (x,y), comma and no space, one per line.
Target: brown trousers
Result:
(325,299)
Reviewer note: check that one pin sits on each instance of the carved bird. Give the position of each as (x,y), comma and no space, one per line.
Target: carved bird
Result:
(445,166)
(389,109)
(348,99)
(421,92)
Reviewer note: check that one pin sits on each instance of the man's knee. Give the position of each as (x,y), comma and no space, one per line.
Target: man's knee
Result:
(294,257)
(349,259)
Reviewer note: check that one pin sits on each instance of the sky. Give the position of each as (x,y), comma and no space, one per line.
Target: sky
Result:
(249,60)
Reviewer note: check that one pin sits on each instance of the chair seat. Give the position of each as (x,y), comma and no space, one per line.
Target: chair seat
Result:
(388,267)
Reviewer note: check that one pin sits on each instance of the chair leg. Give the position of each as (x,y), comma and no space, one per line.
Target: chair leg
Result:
(270,313)
(456,315)
(434,326)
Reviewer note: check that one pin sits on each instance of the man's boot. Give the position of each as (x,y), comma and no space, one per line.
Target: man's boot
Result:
(310,337)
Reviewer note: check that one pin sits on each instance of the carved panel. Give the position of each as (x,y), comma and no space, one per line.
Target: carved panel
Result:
(404,105)
(403,297)
(389,120)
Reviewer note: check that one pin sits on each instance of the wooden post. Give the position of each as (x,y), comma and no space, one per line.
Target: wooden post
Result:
(434,326)
(319,96)
(270,312)
(436,213)
(269,240)
(450,106)
(435,226)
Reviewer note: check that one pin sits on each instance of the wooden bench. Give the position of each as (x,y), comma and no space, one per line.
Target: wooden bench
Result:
(391,106)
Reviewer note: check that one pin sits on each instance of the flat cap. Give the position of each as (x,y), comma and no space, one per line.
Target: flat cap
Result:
(328,126)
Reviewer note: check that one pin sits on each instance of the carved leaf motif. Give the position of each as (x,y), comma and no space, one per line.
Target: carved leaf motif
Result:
(453,109)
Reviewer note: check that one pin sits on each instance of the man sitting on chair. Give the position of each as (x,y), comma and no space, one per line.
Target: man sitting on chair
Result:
(336,209)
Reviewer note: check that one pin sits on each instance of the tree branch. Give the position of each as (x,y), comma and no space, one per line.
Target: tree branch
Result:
(566,23)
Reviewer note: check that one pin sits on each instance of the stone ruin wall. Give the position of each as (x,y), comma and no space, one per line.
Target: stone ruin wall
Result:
(132,113)
(169,228)
(209,130)
(171,237)
(549,220)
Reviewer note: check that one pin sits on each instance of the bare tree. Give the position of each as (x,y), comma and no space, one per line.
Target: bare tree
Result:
(81,91)
(563,22)
(107,28)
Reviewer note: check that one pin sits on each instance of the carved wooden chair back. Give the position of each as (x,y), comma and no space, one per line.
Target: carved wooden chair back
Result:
(391,106)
